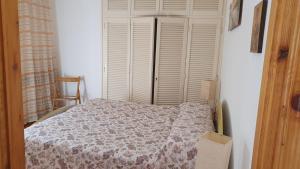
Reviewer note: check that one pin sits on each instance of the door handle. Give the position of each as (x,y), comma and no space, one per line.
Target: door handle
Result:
(296,104)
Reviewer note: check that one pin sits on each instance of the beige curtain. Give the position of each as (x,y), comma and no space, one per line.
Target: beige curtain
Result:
(38,56)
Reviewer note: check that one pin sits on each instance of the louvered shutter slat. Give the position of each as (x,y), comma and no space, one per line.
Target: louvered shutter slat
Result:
(116,59)
(142,59)
(173,7)
(206,7)
(202,58)
(145,7)
(114,8)
(170,61)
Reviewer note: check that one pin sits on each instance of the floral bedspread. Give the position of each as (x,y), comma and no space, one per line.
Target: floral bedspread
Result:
(118,135)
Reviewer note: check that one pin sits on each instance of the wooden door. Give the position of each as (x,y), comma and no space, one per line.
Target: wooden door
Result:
(290,140)
(11,114)
(116,8)
(206,8)
(144,7)
(116,58)
(202,58)
(142,53)
(277,144)
(170,60)
(173,7)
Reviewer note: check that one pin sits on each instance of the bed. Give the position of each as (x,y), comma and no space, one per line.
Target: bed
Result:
(105,134)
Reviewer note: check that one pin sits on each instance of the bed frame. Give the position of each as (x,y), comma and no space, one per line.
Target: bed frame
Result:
(212,97)
(219,117)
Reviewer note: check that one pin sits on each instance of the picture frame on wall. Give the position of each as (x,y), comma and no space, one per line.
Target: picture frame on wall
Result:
(258,27)
(236,12)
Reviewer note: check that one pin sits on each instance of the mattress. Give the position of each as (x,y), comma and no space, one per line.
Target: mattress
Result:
(105,134)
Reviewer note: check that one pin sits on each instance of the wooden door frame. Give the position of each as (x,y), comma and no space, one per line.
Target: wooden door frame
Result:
(11,112)
(269,118)
(274,102)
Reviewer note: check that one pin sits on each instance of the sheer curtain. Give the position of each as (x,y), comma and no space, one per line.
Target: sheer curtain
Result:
(38,56)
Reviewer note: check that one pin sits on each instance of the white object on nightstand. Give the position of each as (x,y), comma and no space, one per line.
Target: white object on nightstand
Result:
(213,151)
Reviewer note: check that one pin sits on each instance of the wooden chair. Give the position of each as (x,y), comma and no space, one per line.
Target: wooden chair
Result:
(58,97)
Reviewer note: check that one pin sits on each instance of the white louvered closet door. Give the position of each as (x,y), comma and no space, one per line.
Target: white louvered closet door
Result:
(116,58)
(173,7)
(119,8)
(204,8)
(202,58)
(142,53)
(170,60)
(145,7)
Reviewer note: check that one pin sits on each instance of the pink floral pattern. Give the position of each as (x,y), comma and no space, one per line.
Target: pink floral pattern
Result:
(113,134)
(179,151)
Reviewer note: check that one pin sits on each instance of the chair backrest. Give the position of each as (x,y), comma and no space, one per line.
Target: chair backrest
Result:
(68,79)
(57,93)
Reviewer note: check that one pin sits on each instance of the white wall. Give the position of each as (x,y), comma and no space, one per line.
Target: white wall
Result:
(241,80)
(79,25)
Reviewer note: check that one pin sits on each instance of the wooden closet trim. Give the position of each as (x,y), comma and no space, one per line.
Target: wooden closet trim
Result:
(272,107)
(11,114)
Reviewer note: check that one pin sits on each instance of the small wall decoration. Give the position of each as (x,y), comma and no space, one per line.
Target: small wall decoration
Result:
(258,28)
(236,10)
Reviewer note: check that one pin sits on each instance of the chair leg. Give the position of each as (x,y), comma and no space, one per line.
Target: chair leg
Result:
(53,104)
